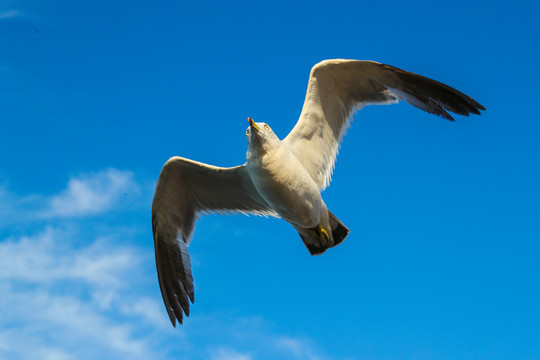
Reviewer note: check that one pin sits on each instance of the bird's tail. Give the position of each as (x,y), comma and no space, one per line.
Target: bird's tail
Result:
(339,230)
(339,233)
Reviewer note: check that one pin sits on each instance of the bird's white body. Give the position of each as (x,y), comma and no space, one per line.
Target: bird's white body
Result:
(283,182)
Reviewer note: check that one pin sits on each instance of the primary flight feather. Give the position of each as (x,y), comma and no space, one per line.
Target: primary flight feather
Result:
(283,178)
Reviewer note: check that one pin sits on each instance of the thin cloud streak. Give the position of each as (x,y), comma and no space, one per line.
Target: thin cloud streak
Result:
(10,14)
(93,193)
(299,348)
(87,194)
(229,354)
(43,258)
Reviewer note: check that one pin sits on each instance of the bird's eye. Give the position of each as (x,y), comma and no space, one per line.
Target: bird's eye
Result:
(266,127)
(247,132)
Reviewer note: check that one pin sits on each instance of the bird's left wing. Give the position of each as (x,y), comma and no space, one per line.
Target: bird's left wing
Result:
(338,87)
(186,188)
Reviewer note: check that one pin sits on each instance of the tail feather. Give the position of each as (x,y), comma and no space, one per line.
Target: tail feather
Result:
(314,247)
(339,230)
(339,233)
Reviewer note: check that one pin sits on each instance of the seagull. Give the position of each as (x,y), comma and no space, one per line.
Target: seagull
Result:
(283,178)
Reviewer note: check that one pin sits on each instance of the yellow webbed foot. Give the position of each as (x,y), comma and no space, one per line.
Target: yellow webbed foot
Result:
(324,234)
(321,234)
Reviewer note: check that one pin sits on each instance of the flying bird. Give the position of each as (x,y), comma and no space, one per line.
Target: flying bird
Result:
(283,178)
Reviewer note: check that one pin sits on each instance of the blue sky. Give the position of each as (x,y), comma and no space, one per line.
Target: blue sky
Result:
(442,261)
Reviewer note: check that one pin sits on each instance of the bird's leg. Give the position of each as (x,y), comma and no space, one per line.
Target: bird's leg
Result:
(324,234)
(319,232)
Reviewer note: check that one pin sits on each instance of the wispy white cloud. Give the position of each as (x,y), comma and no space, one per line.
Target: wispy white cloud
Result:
(43,258)
(299,348)
(252,338)
(72,291)
(86,194)
(228,354)
(54,294)
(10,14)
(65,301)
(93,193)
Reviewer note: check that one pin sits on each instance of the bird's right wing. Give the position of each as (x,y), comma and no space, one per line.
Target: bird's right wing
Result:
(186,188)
(338,87)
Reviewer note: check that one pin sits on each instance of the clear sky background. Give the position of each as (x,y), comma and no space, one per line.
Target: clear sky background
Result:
(443,257)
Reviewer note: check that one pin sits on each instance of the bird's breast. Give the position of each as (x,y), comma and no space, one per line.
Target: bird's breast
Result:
(287,187)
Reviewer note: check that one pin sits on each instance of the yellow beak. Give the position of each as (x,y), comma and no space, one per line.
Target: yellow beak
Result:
(252,124)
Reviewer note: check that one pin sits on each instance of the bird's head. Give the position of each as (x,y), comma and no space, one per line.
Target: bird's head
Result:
(260,135)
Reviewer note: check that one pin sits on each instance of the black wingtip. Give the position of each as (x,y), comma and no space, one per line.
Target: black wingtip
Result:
(447,116)
(172,318)
(435,97)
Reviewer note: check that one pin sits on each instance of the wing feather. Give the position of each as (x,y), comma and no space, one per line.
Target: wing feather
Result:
(185,189)
(338,88)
